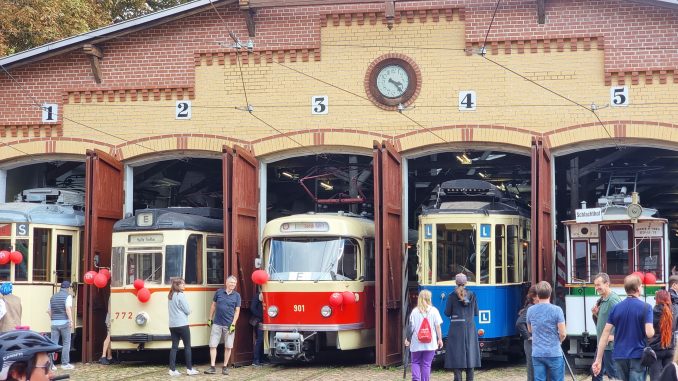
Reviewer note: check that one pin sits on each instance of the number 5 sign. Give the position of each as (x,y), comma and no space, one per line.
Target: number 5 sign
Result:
(619,96)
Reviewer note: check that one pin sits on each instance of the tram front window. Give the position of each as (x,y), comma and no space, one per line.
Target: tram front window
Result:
(616,250)
(21,270)
(455,252)
(145,265)
(649,252)
(313,259)
(5,244)
(41,257)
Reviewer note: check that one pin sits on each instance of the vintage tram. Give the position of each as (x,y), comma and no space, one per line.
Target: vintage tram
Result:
(320,294)
(154,246)
(46,226)
(617,237)
(474,228)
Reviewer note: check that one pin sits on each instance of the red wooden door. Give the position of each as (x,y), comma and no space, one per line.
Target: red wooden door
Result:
(542,232)
(389,253)
(241,200)
(103,207)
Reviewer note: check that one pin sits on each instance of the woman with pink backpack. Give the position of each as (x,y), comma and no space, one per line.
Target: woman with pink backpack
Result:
(424,336)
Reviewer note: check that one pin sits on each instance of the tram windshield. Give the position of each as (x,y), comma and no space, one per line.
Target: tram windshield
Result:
(315,259)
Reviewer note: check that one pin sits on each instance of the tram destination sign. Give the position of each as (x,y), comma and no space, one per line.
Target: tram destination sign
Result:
(589,215)
(289,227)
(145,238)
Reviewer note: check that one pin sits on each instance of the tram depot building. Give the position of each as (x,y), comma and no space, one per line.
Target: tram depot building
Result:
(269,108)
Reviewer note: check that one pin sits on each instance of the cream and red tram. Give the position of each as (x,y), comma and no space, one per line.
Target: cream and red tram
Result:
(46,226)
(320,294)
(155,246)
(619,237)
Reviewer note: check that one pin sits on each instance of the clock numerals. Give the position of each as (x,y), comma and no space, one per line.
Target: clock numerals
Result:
(392,81)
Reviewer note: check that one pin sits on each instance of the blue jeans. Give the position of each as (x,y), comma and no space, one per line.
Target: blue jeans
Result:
(608,367)
(65,332)
(554,367)
(259,347)
(630,369)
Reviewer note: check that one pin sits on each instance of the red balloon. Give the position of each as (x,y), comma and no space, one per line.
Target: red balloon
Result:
(100,280)
(650,278)
(260,277)
(16,257)
(639,275)
(144,295)
(4,257)
(138,284)
(106,273)
(89,277)
(348,297)
(336,299)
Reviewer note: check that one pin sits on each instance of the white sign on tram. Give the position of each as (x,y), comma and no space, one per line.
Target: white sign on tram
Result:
(589,215)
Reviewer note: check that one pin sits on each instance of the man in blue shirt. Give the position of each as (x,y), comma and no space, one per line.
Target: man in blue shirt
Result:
(225,310)
(632,323)
(546,322)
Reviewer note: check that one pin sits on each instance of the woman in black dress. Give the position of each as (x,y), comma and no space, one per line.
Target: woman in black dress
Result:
(462,350)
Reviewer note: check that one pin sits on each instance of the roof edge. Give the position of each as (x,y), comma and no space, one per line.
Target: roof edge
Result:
(109,32)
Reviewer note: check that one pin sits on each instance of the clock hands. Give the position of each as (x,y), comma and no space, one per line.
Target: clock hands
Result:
(397,84)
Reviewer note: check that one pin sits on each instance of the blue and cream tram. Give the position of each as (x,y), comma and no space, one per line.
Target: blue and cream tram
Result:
(44,225)
(149,250)
(473,228)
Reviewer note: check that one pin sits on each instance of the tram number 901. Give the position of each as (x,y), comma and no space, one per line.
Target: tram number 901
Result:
(123,315)
(298,308)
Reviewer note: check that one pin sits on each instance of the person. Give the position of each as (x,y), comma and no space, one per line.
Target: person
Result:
(106,353)
(422,353)
(257,310)
(673,288)
(664,317)
(179,310)
(24,355)
(632,322)
(521,325)
(12,318)
(60,311)
(546,322)
(463,350)
(223,316)
(601,312)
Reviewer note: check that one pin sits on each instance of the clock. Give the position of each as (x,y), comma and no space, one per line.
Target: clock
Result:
(634,210)
(392,80)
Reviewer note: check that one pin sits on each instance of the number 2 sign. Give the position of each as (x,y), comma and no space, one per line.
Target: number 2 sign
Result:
(183,110)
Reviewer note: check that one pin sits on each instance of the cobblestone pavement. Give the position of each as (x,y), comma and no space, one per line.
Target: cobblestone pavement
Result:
(143,371)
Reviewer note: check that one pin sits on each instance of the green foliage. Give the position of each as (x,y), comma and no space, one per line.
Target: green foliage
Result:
(25,24)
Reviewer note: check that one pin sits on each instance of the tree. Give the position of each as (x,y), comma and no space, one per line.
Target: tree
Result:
(120,10)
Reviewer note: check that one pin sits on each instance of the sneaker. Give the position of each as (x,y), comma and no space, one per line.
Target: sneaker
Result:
(192,372)
(257,365)
(104,361)
(224,371)
(174,373)
(211,370)
(67,367)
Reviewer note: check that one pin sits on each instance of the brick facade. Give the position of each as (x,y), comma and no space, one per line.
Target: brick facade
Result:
(584,47)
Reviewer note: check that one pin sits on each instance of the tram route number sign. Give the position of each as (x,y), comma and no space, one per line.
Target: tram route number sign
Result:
(484,317)
(22,230)
(428,231)
(485,230)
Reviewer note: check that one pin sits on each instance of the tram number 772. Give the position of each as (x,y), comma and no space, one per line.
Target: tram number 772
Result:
(123,315)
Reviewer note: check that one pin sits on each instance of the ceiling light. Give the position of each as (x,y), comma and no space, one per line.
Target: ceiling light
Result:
(289,175)
(483,175)
(463,159)
(326,185)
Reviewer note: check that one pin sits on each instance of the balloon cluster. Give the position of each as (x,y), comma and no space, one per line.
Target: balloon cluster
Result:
(11,256)
(339,298)
(143,294)
(99,279)
(646,278)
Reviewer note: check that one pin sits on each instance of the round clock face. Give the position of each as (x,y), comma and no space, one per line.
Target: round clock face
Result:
(392,81)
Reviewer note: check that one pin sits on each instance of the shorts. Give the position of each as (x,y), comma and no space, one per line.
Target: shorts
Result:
(217,333)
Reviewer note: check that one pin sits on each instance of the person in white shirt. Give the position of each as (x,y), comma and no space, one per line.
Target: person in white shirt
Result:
(422,353)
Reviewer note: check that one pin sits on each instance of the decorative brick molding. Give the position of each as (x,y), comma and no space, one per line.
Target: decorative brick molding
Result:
(421,14)
(545,45)
(32,130)
(661,75)
(293,54)
(131,94)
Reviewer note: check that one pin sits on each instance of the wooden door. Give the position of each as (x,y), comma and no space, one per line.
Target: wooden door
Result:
(542,264)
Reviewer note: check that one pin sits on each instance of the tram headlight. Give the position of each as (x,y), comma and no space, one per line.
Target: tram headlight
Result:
(326,311)
(272,311)
(141,319)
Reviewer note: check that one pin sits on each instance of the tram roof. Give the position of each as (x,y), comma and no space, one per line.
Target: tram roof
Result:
(65,215)
(343,224)
(196,219)
(477,207)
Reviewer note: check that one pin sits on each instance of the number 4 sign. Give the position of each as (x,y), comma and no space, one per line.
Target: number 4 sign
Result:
(467,101)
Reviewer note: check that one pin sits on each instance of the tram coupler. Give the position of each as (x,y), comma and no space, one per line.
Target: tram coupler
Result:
(288,344)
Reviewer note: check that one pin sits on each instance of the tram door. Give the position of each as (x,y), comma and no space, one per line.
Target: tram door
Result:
(65,267)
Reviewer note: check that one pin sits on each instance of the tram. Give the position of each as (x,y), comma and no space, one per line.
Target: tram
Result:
(474,228)
(151,248)
(320,294)
(617,237)
(46,226)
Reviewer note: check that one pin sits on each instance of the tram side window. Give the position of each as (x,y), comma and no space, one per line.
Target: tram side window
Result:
(174,262)
(5,244)
(368,268)
(499,254)
(484,262)
(512,254)
(579,265)
(21,270)
(194,253)
(41,258)
(348,262)
(146,266)
(650,256)
(118,266)
(616,250)
(215,260)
